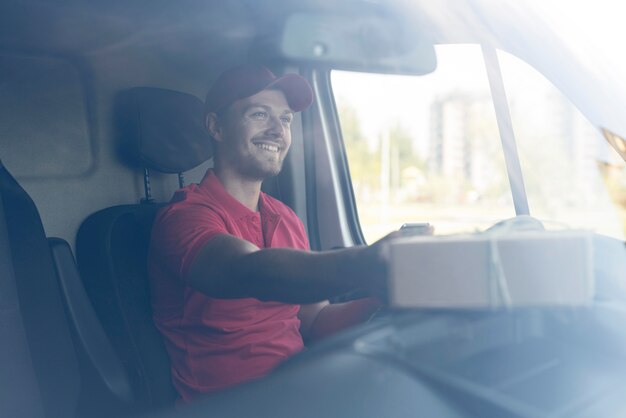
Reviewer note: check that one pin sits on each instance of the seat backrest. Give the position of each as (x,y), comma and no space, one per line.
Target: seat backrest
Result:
(39,374)
(164,131)
(112,247)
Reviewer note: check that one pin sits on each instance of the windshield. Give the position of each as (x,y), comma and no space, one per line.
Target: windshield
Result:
(427,149)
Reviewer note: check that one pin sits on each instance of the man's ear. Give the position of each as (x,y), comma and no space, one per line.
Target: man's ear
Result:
(212,124)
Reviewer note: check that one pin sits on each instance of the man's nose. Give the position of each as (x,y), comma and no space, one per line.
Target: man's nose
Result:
(275,126)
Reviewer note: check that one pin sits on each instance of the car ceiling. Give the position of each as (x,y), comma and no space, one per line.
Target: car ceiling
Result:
(204,29)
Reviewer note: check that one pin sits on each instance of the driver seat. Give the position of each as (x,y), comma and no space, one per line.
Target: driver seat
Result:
(163,130)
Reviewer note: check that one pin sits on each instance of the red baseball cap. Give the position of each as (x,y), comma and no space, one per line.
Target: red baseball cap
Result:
(247,80)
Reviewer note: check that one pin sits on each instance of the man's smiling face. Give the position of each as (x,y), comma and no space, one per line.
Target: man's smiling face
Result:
(254,135)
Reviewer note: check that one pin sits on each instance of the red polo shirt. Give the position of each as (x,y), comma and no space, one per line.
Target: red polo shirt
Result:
(216,343)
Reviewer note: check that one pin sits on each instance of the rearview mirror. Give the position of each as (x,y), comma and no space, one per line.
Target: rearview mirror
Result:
(363,42)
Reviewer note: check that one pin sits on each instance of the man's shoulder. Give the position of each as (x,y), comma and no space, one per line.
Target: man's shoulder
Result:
(188,200)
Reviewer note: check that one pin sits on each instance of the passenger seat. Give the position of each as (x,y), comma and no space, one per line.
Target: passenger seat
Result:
(55,360)
(39,372)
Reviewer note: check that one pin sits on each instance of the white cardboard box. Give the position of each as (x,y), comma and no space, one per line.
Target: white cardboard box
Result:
(484,270)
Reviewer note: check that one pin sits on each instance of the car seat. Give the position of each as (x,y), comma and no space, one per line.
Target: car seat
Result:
(162,130)
(39,372)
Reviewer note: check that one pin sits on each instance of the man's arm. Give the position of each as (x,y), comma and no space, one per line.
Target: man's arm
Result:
(229,267)
(322,319)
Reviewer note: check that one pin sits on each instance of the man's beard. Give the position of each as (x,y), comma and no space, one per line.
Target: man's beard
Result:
(256,171)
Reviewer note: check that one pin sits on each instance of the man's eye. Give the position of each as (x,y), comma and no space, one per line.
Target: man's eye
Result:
(259,115)
(286,120)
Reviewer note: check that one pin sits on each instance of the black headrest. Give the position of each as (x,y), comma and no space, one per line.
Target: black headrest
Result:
(163,129)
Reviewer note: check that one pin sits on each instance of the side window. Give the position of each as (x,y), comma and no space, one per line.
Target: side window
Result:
(424,149)
(573,178)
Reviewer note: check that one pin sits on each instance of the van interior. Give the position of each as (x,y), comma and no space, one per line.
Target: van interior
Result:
(102,119)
